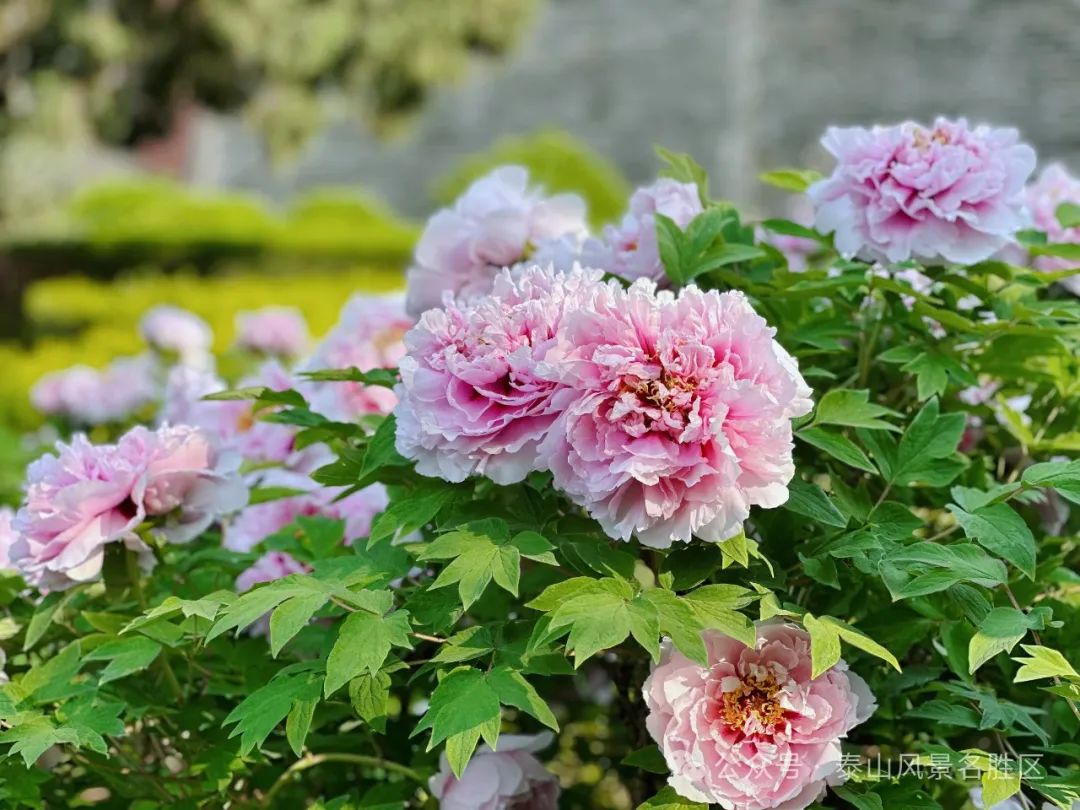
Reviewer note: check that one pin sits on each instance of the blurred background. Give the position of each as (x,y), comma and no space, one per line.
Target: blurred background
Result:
(224,155)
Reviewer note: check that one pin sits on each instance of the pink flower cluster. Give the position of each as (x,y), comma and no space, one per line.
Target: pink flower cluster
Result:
(87,496)
(496,223)
(665,416)
(1054,187)
(508,778)
(950,193)
(753,730)
(630,249)
(368,336)
(274,331)
(87,396)
(176,331)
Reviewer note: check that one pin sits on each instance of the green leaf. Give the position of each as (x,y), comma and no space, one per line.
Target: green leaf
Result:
(716,608)
(838,446)
(807,499)
(922,455)
(849,408)
(414,509)
(1068,215)
(291,616)
(1001,530)
(383,377)
(463,701)
(513,690)
(824,645)
(865,800)
(647,759)
(594,611)
(645,626)
(685,169)
(856,638)
(298,723)
(668,799)
(480,551)
(44,615)
(1063,476)
(796,180)
(679,621)
(34,736)
(924,568)
(1044,662)
(370,698)
(472,642)
(262,710)
(125,656)
(363,643)
(1000,631)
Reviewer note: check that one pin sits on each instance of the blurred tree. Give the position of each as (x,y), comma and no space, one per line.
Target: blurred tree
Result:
(136,63)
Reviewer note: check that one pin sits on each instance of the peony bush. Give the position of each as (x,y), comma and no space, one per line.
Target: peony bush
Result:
(696,510)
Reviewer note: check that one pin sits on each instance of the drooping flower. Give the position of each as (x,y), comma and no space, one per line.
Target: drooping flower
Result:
(630,249)
(86,396)
(508,778)
(947,194)
(681,416)
(367,337)
(258,521)
(1054,187)
(87,496)
(753,730)
(494,224)
(472,398)
(178,332)
(275,331)
(269,567)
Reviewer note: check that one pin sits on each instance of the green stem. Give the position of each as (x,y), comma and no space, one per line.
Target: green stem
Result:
(314,760)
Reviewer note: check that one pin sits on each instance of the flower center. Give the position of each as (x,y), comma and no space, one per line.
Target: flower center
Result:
(754,698)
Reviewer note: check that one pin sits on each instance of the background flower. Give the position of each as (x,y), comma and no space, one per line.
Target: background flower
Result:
(753,730)
(946,194)
(630,249)
(1054,187)
(277,331)
(494,224)
(508,778)
(176,331)
(681,420)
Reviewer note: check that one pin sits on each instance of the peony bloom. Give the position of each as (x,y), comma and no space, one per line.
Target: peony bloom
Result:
(258,521)
(947,194)
(7,536)
(87,396)
(508,778)
(176,331)
(681,416)
(367,337)
(1054,187)
(753,730)
(497,222)
(87,496)
(630,249)
(472,397)
(276,331)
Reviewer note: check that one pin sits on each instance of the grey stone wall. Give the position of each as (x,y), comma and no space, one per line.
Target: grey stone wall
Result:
(744,85)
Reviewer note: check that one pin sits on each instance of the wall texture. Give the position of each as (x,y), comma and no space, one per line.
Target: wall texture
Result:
(744,85)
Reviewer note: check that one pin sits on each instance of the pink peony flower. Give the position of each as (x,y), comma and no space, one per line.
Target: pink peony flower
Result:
(508,778)
(7,536)
(630,249)
(1054,187)
(367,336)
(87,396)
(269,567)
(494,224)
(176,331)
(753,730)
(258,521)
(276,331)
(87,496)
(681,419)
(947,194)
(472,400)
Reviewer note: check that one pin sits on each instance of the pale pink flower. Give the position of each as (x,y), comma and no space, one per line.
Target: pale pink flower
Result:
(796,249)
(494,224)
(276,331)
(87,496)
(87,396)
(682,415)
(752,729)
(1054,187)
(7,536)
(368,336)
(508,778)
(946,194)
(233,423)
(472,398)
(184,481)
(258,521)
(176,331)
(630,249)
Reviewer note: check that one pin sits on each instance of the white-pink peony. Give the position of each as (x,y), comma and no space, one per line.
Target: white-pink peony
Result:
(508,778)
